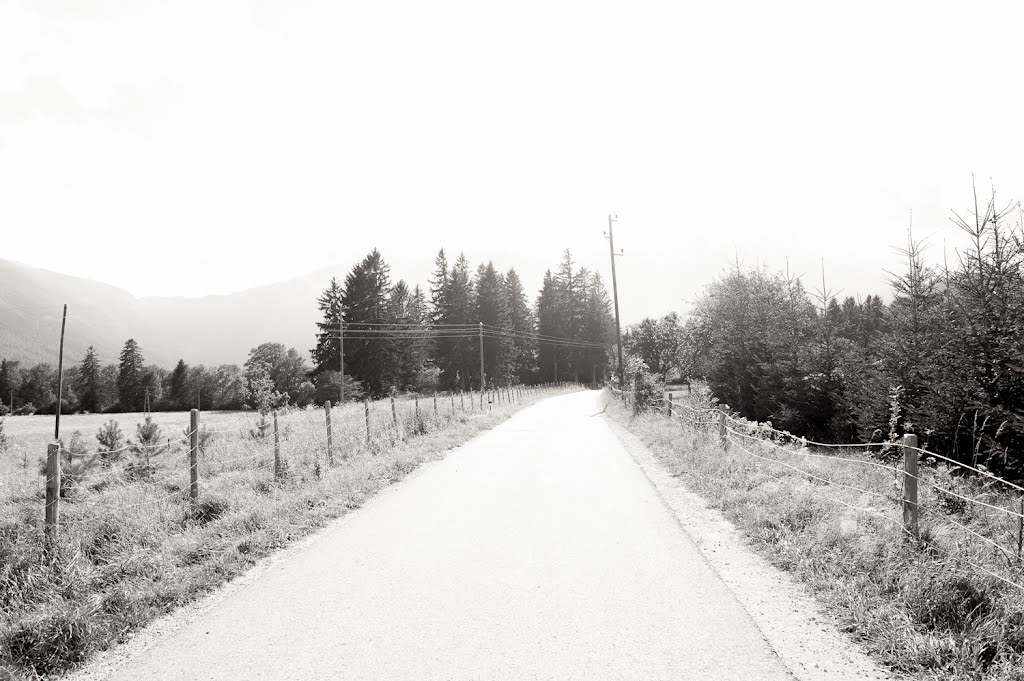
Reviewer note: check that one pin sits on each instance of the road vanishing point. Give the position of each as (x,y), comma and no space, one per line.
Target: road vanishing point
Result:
(539,550)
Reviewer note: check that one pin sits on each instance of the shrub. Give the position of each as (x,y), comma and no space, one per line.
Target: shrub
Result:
(111,441)
(641,382)
(25,410)
(3,437)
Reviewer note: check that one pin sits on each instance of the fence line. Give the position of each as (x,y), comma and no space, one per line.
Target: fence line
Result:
(287,440)
(744,435)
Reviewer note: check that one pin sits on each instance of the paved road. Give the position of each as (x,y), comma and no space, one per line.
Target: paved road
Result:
(537,551)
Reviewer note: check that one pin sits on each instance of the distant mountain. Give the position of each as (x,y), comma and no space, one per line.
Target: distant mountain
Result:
(209,330)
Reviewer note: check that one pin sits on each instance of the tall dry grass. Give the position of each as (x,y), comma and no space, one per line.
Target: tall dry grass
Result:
(934,609)
(132,547)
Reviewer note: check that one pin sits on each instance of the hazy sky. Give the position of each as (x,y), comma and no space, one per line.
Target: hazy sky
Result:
(183,148)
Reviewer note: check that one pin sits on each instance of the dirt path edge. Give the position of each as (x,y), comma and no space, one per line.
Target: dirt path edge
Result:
(804,637)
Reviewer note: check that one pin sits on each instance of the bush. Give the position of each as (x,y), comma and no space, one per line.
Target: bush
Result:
(642,384)
(3,436)
(111,442)
(25,410)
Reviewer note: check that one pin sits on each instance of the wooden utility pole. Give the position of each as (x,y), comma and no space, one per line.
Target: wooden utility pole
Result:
(615,295)
(278,467)
(482,383)
(341,356)
(60,374)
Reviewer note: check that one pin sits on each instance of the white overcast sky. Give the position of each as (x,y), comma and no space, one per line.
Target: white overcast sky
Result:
(184,148)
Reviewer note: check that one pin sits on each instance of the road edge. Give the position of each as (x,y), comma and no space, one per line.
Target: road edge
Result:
(805,638)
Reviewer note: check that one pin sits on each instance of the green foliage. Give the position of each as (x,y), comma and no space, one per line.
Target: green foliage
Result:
(645,391)
(3,436)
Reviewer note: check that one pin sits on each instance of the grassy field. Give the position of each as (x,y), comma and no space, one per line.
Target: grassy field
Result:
(933,609)
(131,546)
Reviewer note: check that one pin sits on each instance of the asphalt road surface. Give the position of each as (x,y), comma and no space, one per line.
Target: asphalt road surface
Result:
(537,551)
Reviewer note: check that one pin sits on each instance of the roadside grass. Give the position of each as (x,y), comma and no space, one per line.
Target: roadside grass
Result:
(917,608)
(132,548)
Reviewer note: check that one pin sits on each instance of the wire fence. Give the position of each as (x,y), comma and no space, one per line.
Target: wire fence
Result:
(979,516)
(85,489)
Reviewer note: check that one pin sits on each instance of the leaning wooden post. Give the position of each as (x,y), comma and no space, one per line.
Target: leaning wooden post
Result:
(394,411)
(193,455)
(462,400)
(435,405)
(52,492)
(366,413)
(278,471)
(723,436)
(910,504)
(330,434)
(670,405)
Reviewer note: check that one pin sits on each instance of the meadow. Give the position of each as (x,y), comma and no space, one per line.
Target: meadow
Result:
(132,545)
(949,605)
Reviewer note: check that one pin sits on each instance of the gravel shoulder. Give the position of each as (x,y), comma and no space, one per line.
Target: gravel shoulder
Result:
(805,638)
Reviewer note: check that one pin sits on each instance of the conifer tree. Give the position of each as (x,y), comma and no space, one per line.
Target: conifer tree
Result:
(89,388)
(327,353)
(131,377)
(370,357)
(180,396)
(523,352)
(459,362)
(492,310)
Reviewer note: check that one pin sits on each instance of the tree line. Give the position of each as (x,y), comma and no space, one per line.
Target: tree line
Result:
(941,359)
(396,337)
(393,337)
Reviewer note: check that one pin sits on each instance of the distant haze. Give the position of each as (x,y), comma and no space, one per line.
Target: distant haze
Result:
(191,148)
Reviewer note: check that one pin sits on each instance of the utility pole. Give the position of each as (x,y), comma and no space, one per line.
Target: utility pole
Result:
(60,374)
(482,383)
(615,294)
(341,356)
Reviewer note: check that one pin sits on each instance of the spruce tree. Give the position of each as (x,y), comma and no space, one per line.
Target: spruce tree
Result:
(459,364)
(370,356)
(130,377)
(520,320)
(492,310)
(89,388)
(180,397)
(326,354)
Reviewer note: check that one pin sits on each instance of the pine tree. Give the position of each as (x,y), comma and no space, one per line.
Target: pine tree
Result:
(523,352)
(89,388)
(492,309)
(10,382)
(180,397)
(327,353)
(370,357)
(459,363)
(549,324)
(130,377)
(406,310)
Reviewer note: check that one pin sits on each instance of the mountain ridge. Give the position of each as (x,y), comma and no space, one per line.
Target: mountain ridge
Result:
(214,329)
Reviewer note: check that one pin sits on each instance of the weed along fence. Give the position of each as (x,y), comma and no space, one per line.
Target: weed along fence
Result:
(974,518)
(279,448)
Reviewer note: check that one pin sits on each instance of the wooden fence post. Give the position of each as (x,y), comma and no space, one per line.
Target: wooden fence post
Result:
(435,405)
(278,471)
(366,413)
(193,455)
(670,405)
(462,400)
(52,492)
(910,502)
(723,436)
(330,433)
(394,411)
